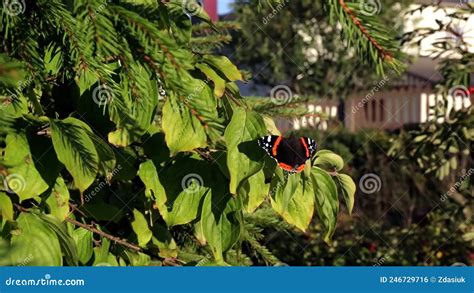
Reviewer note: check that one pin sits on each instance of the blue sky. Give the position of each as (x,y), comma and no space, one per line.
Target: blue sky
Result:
(223,6)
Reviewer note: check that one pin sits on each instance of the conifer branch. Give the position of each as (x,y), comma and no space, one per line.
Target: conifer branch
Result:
(364,31)
(383,53)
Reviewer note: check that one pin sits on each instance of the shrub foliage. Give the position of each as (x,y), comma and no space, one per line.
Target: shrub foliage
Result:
(124,144)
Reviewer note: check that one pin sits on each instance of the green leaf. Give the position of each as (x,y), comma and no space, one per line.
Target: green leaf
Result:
(58,200)
(107,161)
(24,178)
(221,220)
(225,66)
(253,190)
(140,227)
(270,125)
(83,240)
(348,188)
(75,150)
(244,156)
(137,258)
(179,123)
(6,207)
(327,203)
(199,233)
(178,189)
(219,83)
(53,60)
(34,243)
(293,199)
(66,242)
(329,160)
(165,242)
(102,256)
(153,187)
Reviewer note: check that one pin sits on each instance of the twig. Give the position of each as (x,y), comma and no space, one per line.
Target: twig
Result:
(93,229)
(204,155)
(74,209)
(103,234)
(383,53)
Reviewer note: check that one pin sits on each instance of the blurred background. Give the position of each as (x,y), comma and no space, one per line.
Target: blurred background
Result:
(407,136)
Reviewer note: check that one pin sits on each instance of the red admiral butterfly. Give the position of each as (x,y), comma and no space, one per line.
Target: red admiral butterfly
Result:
(290,153)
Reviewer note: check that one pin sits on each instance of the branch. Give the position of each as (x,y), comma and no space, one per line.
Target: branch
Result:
(93,229)
(103,234)
(382,52)
(363,30)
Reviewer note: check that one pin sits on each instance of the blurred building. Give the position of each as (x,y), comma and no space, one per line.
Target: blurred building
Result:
(393,102)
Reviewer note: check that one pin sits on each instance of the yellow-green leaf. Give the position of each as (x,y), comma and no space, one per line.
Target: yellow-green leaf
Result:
(24,178)
(58,200)
(219,83)
(329,160)
(225,66)
(34,244)
(244,156)
(293,198)
(348,188)
(183,131)
(140,227)
(253,190)
(327,203)
(83,240)
(6,207)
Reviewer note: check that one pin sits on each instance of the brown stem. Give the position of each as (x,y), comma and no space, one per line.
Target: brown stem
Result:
(75,209)
(103,234)
(206,156)
(382,52)
(93,230)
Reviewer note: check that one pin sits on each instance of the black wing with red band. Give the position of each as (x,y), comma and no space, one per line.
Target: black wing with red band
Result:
(290,153)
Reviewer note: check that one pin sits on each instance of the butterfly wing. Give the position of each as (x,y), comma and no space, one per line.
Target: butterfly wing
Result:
(270,144)
(290,154)
(310,145)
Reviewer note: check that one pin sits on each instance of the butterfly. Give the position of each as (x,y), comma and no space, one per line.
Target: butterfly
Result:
(290,153)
